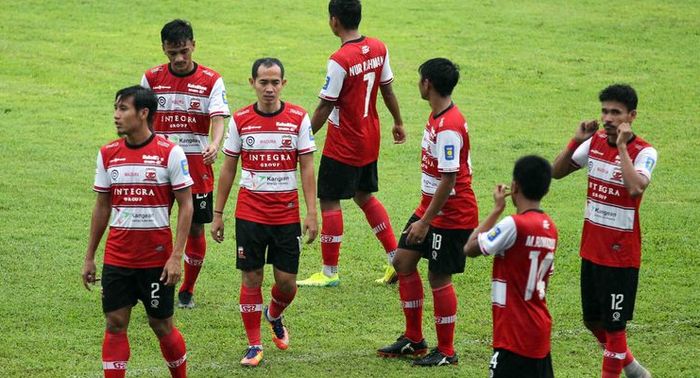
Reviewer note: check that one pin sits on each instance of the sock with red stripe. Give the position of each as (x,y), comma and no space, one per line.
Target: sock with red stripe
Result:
(445,310)
(280,301)
(614,354)
(331,237)
(378,220)
(195,250)
(115,354)
(174,351)
(250,303)
(411,293)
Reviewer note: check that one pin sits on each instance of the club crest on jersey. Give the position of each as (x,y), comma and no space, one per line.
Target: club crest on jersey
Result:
(617,175)
(185,167)
(150,175)
(449,152)
(195,105)
(493,234)
(286,141)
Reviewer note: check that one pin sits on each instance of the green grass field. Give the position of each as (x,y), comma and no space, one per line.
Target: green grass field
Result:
(530,71)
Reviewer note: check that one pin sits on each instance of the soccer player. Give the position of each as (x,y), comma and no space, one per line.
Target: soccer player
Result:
(136,179)
(523,247)
(348,167)
(441,224)
(619,165)
(268,137)
(191,101)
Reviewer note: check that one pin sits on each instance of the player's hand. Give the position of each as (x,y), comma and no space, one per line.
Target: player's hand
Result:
(171,272)
(624,133)
(217,228)
(399,134)
(585,130)
(416,232)
(499,197)
(88,273)
(210,154)
(310,227)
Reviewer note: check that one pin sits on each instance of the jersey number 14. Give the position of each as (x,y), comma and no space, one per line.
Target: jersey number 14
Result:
(535,279)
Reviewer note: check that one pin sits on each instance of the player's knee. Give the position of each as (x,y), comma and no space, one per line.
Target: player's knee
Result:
(160,327)
(361,198)
(253,278)
(116,324)
(438,280)
(196,229)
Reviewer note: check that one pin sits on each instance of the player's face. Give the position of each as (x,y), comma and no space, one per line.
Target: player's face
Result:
(268,85)
(423,88)
(613,113)
(180,56)
(126,118)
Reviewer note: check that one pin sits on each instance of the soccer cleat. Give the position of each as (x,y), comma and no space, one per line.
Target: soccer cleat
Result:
(253,356)
(404,347)
(390,277)
(436,358)
(184,300)
(320,280)
(280,335)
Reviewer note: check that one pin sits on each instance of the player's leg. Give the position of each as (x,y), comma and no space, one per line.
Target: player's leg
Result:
(250,260)
(172,345)
(119,295)
(196,247)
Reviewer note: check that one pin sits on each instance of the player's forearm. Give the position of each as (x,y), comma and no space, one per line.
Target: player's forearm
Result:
(391,103)
(184,221)
(223,189)
(308,183)
(98,224)
(442,193)
(217,130)
(320,116)
(634,182)
(561,166)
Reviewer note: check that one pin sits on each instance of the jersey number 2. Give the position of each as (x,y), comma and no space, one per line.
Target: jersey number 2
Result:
(535,280)
(369,78)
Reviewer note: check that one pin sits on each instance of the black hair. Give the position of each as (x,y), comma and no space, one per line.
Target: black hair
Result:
(266,62)
(144,98)
(442,74)
(533,175)
(348,12)
(177,32)
(622,93)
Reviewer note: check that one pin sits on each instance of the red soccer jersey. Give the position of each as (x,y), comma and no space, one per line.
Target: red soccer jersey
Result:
(140,180)
(523,248)
(353,77)
(445,148)
(269,146)
(611,234)
(185,105)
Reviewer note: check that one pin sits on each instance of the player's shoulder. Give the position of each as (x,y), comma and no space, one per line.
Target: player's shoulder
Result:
(208,72)
(294,110)
(112,147)
(452,119)
(156,71)
(244,113)
(640,143)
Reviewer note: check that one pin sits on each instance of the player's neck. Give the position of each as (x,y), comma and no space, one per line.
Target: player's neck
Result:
(269,108)
(524,204)
(438,104)
(138,137)
(349,35)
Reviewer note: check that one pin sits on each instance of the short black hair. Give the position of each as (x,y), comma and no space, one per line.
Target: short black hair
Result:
(177,32)
(442,73)
(533,175)
(622,93)
(348,12)
(144,98)
(266,62)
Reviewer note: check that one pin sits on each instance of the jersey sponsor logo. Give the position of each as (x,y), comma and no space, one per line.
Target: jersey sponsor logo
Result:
(365,49)
(223,97)
(311,134)
(250,141)
(297,112)
(114,175)
(117,160)
(450,152)
(649,164)
(161,87)
(195,105)
(162,101)
(328,81)
(196,88)
(185,167)
(545,224)
(493,234)
(610,216)
(152,159)
(150,175)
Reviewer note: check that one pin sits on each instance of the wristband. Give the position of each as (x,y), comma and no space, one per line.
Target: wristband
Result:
(218,212)
(573,145)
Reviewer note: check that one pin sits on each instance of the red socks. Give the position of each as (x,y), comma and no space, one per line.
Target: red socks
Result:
(614,354)
(445,311)
(173,348)
(378,219)
(250,303)
(280,301)
(115,354)
(600,335)
(195,250)
(411,293)
(331,236)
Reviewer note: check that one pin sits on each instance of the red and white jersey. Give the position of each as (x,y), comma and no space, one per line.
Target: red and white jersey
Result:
(141,180)
(523,248)
(353,77)
(269,146)
(445,148)
(185,105)
(611,233)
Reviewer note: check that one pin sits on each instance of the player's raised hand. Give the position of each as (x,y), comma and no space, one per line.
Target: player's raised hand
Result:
(499,196)
(88,273)
(399,134)
(209,154)
(217,228)
(585,130)
(624,133)
(171,272)
(310,227)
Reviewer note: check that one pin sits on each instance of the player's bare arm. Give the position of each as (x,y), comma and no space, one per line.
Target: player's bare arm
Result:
(217,134)
(417,230)
(392,103)
(500,192)
(561,166)
(634,181)
(323,110)
(223,189)
(308,186)
(98,224)
(173,269)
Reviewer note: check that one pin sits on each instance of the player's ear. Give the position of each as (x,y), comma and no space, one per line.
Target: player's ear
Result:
(632,116)
(251,81)
(143,114)
(284,82)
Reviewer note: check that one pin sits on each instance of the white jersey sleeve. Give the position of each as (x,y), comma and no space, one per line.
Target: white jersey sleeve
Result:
(305,141)
(387,75)
(335,75)
(645,161)
(144,82)
(448,144)
(102,183)
(498,239)
(232,144)
(178,169)
(218,104)
(580,156)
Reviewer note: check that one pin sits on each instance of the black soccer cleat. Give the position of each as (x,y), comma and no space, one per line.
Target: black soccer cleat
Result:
(184,300)
(404,347)
(436,358)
